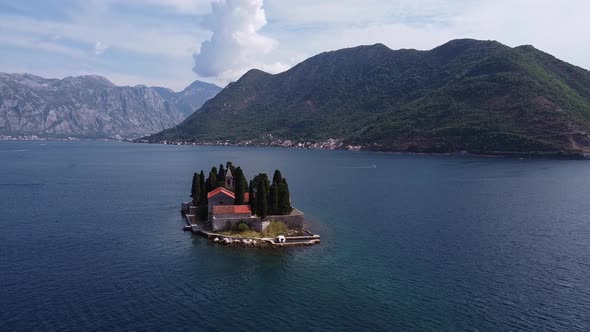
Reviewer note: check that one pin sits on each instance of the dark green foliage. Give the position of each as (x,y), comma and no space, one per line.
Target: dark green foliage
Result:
(479,96)
(221,174)
(203,212)
(262,186)
(212,181)
(273,199)
(251,191)
(284,201)
(240,188)
(229,165)
(203,190)
(242,227)
(277,177)
(195,188)
(265,198)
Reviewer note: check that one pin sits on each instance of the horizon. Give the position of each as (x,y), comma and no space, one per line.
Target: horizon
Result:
(172,43)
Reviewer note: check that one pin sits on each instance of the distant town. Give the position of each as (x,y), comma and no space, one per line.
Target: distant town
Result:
(329,144)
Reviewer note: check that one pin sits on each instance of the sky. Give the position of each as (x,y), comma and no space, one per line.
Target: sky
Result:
(171,43)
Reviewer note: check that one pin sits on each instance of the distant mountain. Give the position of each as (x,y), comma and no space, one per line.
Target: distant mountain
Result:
(478,96)
(91,106)
(194,96)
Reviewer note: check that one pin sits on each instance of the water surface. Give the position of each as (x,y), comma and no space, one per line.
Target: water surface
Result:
(90,238)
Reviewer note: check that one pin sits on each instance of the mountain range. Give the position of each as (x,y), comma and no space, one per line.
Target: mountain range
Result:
(466,95)
(92,106)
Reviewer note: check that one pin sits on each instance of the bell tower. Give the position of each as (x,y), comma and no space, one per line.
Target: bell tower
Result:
(229,180)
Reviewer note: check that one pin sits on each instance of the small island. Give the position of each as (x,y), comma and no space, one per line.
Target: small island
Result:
(228,209)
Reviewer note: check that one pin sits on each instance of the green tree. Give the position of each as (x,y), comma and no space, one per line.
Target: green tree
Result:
(252,202)
(273,199)
(277,177)
(284,198)
(221,174)
(203,190)
(229,165)
(239,189)
(195,188)
(212,181)
(261,198)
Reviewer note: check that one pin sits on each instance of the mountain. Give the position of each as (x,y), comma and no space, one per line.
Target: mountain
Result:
(465,95)
(194,96)
(91,106)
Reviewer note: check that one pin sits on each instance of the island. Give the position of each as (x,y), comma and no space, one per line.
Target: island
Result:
(228,209)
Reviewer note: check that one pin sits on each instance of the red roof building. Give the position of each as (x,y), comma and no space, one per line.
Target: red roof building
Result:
(220,190)
(232,209)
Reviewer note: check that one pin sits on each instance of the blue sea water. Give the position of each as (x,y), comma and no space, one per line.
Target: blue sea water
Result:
(91,239)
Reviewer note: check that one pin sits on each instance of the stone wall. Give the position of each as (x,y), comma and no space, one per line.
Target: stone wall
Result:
(223,224)
(293,221)
(220,200)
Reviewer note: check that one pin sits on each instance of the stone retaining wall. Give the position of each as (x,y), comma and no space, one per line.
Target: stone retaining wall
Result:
(293,221)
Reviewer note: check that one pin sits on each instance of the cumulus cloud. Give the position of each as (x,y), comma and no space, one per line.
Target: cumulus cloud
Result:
(236,43)
(99,48)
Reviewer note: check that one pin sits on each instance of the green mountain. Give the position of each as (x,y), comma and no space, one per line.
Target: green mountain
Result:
(466,95)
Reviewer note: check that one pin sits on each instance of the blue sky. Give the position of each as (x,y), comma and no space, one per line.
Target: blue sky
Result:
(173,42)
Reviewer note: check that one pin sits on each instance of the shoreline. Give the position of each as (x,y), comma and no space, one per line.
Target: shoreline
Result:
(555,155)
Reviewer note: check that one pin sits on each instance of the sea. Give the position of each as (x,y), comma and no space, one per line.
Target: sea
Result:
(91,239)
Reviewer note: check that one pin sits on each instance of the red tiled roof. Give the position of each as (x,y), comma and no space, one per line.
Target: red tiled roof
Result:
(231,209)
(220,190)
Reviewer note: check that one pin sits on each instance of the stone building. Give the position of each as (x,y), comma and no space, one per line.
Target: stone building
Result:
(219,196)
(229,216)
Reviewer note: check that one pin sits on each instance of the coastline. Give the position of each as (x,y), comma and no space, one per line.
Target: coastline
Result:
(335,145)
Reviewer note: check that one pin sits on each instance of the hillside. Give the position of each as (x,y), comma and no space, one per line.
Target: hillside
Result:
(478,96)
(91,106)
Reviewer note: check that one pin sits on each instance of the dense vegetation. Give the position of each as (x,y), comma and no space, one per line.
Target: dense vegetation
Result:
(479,96)
(265,198)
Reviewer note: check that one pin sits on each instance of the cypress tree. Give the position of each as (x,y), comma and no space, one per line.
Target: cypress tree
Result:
(221,174)
(284,198)
(240,189)
(195,188)
(277,177)
(203,196)
(261,199)
(273,199)
(212,182)
(252,202)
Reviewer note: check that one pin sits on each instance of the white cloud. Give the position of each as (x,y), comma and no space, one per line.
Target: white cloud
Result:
(165,38)
(99,48)
(236,44)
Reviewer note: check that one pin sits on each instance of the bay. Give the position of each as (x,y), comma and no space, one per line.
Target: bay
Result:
(91,239)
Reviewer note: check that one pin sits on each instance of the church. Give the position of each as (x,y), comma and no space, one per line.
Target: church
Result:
(222,212)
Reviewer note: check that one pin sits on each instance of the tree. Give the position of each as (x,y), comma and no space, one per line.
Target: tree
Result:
(261,197)
(203,190)
(195,188)
(252,202)
(221,174)
(277,177)
(212,182)
(284,198)
(229,165)
(239,189)
(273,199)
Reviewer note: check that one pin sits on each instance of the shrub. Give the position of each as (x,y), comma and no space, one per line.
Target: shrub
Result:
(275,228)
(242,227)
